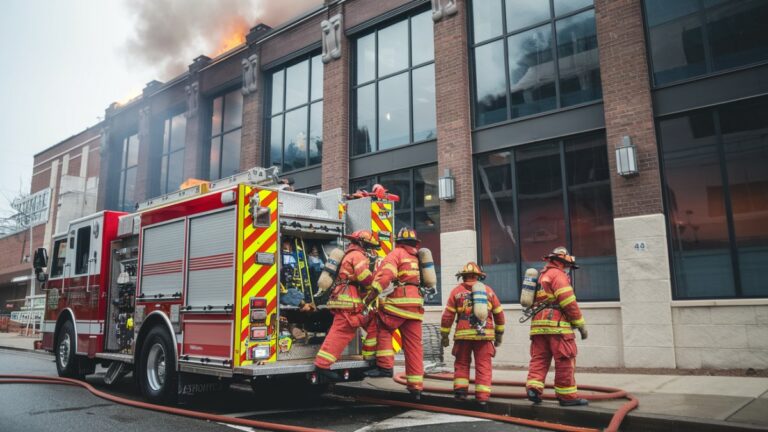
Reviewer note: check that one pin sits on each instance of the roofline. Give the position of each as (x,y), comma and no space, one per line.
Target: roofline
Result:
(99,124)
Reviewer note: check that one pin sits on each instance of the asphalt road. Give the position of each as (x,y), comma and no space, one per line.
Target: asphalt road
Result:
(42,408)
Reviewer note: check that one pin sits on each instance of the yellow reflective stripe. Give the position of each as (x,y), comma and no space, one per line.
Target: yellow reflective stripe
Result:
(563,290)
(346,297)
(408,273)
(445,330)
(415,301)
(384,353)
(473,332)
(499,329)
(578,323)
(534,383)
(327,356)
(363,275)
(449,308)
(551,323)
(368,354)
(370,342)
(483,389)
(402,313)
(550,330)
(414,378)
(361,264)
(389,266)
(339,305)
(567,301)
(565,390)
(461,381)
(497,310)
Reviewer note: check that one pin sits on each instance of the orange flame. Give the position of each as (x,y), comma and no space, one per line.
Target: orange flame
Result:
(133,93)
(233,37)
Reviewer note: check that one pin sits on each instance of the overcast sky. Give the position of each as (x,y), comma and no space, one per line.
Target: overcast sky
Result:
(65,61)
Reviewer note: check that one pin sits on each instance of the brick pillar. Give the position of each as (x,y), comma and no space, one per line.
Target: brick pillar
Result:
(251,148)
(106,154)
(336,95)
(454,142)
(644,275)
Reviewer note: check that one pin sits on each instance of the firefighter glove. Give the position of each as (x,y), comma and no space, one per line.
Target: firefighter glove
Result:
(583,331)
(444,341)
(499,336)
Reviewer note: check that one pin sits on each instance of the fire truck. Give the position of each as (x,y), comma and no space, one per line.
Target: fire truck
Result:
(189,290)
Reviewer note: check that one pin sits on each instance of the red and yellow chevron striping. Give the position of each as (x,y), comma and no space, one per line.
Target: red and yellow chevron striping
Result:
(382,221)
(253,279)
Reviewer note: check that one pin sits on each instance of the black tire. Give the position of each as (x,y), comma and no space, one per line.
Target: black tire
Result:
(66,359)
(157,375)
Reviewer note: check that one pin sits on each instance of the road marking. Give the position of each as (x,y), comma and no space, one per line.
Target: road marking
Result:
(417,419)
(238,427)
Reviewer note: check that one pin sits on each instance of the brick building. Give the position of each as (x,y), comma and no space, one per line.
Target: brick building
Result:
(63,188)
(523,104)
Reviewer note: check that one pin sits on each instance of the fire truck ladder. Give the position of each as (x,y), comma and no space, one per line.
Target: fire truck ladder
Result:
(303,269)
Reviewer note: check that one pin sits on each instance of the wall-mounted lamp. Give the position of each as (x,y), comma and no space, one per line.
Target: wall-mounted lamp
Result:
(626,158)
(446,190)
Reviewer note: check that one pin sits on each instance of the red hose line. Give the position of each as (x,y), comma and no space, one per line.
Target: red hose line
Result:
(37,379)
(477,414)
(607,393)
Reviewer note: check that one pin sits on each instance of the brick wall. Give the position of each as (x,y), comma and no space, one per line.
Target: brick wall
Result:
(454,141)
(628,104)
(251,149)
(335,168)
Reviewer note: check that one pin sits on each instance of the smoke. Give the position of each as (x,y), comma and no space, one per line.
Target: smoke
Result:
(169,34)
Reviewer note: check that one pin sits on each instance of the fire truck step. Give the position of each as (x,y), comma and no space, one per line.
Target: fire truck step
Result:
(116,371)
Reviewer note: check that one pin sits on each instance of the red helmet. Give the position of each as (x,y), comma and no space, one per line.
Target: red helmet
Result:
(561,255)
(471,268)
(364,238)
(407,235)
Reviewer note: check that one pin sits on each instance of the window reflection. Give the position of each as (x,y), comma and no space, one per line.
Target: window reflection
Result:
(577,59)
(296,133)
(490,83)
(395,105)
(172,157)
(129,160)
(225,140)
(531,72)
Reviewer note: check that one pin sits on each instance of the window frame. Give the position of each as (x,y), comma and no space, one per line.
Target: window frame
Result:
(269,115)
(211,135)
(79,239)
(124,168)
(55,255)
(562,153)
(168,120)
(373,29)
(504,37)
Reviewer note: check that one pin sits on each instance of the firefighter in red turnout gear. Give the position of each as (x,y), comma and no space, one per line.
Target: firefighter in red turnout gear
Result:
(552,331)
(353,282)
(473,335)
(401,306)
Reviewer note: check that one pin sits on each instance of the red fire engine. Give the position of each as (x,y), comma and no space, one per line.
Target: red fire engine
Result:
(207,284)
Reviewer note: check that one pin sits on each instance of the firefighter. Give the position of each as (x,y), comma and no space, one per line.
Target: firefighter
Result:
(474,334)
(401,306)
(353,282)
(552,331)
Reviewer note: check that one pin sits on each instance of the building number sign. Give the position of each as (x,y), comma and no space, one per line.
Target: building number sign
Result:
(640,246)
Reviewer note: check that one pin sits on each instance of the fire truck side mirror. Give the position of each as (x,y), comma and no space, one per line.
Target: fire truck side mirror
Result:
(40,259)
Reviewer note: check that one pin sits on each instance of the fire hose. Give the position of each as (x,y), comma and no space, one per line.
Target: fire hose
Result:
(604,393)
(37,379)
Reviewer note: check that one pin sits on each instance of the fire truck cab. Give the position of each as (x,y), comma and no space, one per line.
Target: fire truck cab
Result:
(194,286)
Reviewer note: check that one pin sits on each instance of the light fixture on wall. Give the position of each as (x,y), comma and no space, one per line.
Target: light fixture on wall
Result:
(446,190)
(626,158)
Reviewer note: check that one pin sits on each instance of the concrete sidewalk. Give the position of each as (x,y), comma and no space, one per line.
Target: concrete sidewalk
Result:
(14,340)
(667,402)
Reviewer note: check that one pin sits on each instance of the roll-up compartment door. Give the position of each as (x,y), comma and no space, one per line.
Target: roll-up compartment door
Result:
(211,268)
(162,255)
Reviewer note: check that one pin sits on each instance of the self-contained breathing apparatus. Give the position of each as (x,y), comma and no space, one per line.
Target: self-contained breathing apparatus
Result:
(531,285)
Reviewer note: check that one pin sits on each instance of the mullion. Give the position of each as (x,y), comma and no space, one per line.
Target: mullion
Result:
(507,93)
(708,62)
(555,57)
(410,83)
(566,203)
(376,86)
(516,212)
(728,203)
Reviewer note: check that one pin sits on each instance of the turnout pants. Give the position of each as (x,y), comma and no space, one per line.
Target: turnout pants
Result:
(483,352)
(343,330)
(563,349)
(414,352)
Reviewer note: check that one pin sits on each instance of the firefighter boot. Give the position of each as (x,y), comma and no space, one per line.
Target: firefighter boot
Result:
(573,402)
(460,394)
(329,375)
(416,393)
(534,397)
(379,372)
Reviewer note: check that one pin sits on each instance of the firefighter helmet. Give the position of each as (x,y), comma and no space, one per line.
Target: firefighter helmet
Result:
(407,235)
(471,268)
(364,238)
(561,255)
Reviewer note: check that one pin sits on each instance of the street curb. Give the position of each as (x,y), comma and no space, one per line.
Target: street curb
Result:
(581,416)
(34,351)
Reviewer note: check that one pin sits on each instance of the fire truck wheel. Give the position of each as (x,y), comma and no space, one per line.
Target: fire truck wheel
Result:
(66,359)
(157,372)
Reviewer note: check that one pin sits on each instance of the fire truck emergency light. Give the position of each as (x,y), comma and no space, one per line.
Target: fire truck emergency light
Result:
(258,315)
(258,332)
(258,303)
(259,352)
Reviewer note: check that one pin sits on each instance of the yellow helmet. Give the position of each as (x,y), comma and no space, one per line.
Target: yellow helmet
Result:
(471,268)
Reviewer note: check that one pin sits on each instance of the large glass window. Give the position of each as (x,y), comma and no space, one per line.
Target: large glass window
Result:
(717,199)
(296,118)
(126,200)
(536,197)
(532,56)
(689,38)
(172,159)
(418,207)
(226,122)
(394,85)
